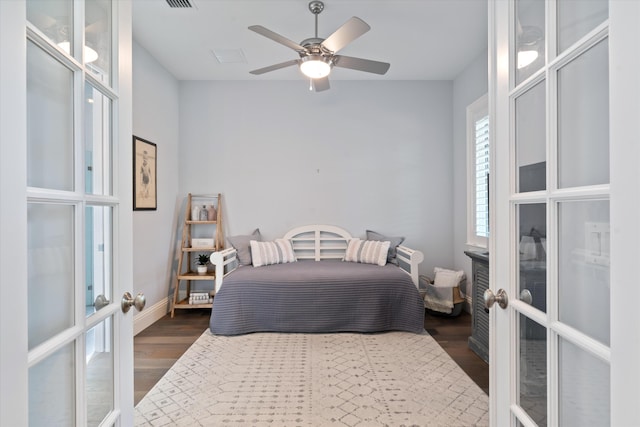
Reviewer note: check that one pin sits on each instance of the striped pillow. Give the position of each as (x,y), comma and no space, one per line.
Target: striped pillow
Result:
(279,251)
(367,251)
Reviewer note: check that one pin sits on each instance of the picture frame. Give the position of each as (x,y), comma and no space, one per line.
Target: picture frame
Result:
(145,185)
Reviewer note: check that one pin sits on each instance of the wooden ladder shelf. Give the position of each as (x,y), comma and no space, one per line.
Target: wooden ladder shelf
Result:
(202,235)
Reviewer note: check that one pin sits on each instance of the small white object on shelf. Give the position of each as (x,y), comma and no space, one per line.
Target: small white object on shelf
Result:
(201,243)
(199,298)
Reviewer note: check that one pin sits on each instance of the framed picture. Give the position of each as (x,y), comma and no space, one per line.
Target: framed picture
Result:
(144,175)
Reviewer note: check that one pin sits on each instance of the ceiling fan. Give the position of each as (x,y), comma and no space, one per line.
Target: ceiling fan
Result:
(318,56)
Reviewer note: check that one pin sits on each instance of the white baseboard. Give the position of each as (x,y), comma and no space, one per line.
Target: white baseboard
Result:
(150,315)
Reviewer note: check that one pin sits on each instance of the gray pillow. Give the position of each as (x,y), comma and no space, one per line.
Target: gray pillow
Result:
(242,246)
(395,242)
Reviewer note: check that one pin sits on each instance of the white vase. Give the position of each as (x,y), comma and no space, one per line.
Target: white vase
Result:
(202,269)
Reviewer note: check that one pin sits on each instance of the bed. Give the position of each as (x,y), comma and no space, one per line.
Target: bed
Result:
(319,292)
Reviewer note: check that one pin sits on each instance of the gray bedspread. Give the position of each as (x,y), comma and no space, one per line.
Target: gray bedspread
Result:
(317,297)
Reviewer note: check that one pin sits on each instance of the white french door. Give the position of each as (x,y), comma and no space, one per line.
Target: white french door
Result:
(565,208)
(67,348)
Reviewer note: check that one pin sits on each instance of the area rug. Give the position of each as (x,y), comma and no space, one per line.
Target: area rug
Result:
(342,379)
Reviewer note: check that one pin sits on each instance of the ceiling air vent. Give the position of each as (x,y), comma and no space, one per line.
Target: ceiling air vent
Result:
(180,3)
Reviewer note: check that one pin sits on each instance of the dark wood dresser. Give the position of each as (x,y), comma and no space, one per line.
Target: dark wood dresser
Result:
(479,339)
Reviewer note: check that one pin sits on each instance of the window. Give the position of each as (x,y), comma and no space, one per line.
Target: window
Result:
(478,173)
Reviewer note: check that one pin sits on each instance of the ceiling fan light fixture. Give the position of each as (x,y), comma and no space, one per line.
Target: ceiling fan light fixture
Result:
(90,55)
(528,39)
(315,66)
(526,57)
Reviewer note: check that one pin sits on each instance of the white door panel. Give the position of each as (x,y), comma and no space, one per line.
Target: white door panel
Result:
(566,191)
(65,220)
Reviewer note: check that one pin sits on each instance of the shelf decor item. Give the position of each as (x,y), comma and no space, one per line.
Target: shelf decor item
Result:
(204,214)
(201,243)
(211,211)
(195,213)
(203,260)
(144,175)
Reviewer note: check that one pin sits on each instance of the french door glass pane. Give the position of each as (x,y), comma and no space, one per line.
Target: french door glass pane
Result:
(51,389)
(98,38)
(529,35)
(54,18)
(583,387)
(533,370)
(530,133)
(50,278)
(532,245)
(577,18)
(49,121)
(97,109)
(98,255)
(99,354)
(583,275)
(583,119)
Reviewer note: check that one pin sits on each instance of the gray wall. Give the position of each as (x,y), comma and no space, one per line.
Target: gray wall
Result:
(155,118)
(388,156)
(468,86)
(363,155)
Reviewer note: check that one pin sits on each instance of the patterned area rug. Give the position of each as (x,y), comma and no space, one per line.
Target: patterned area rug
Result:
(343,379)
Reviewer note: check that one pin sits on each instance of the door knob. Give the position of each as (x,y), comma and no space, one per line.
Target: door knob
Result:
(501,298)
(101,302)
(525,296)
(127,301)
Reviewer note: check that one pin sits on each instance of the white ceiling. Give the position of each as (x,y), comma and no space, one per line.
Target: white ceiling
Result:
(421,39)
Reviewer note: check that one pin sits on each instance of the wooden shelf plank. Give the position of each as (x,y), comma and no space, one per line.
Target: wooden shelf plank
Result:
(203,249)
(186,305)
(190,275)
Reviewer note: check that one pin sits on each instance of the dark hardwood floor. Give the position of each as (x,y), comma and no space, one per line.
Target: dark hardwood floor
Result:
(158,347)
(452,334)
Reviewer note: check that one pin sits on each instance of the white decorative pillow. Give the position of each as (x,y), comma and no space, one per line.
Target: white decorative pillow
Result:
(280,251)
(447,278)
(367,251)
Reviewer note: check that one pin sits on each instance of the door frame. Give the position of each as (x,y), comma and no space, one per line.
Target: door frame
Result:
(498,70)
(13,215)
(123,244)
(624,89)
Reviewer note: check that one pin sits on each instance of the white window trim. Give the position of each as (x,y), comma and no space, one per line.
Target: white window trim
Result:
(476,110)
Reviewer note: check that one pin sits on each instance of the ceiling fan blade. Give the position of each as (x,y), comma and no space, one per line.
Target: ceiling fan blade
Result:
(275,67)
(321,84)
(360,64)
(277,38)
(350,30)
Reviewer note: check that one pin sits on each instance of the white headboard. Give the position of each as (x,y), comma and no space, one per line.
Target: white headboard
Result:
(319,241)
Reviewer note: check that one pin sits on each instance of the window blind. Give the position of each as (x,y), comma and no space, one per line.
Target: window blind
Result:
(482,177)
